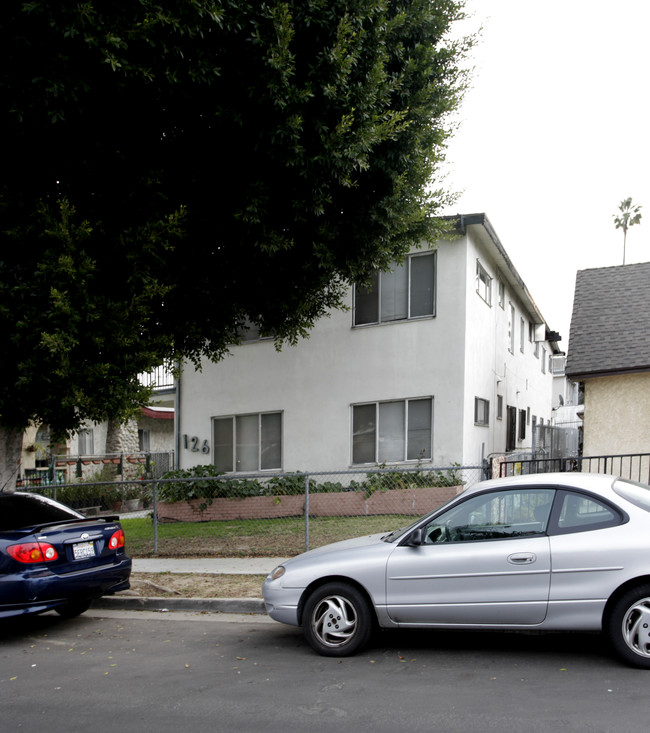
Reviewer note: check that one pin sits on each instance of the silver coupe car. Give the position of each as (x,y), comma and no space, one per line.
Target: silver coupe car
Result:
(546,552)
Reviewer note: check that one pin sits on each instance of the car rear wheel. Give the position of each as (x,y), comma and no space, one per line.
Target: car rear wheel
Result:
(337,620)
(73,608)
(628,627)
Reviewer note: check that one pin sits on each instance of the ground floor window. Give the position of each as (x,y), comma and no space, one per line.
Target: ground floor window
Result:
(245,443)
(389,432)
(86,444)
(144,440)
(481,411)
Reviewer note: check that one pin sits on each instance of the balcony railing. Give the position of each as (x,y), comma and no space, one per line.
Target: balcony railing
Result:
(160,378)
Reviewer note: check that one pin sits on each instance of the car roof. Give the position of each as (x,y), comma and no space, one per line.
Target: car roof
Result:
(598,483)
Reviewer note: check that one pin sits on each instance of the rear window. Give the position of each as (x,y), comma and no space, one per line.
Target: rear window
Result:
(636,493)
(25,510)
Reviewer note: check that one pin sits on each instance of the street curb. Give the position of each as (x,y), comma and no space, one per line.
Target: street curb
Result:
(206,605)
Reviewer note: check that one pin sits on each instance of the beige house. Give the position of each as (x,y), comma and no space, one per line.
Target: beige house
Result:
(609,351)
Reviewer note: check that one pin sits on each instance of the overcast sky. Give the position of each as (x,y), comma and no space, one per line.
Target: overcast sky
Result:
(553,135)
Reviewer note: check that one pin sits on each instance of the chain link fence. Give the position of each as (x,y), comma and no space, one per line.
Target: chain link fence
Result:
(195,513)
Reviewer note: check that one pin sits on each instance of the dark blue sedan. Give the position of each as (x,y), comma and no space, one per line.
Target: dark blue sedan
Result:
(53,558)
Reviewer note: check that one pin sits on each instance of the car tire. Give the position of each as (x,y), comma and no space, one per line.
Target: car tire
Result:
(628,627)
(337,620)
(73,608)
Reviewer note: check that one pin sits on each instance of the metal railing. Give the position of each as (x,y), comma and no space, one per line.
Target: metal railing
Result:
(68,469)
(633,466)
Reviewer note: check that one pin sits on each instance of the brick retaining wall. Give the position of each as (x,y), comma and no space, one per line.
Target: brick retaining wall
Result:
(340,504)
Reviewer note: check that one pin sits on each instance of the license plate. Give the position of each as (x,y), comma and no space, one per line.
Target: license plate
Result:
(83,550)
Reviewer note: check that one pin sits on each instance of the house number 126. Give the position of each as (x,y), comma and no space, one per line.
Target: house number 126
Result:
(193,443)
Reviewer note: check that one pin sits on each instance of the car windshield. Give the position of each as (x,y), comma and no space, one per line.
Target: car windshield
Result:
(26,510)
(636,493)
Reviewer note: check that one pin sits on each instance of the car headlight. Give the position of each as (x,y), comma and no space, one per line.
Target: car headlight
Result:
(277,573)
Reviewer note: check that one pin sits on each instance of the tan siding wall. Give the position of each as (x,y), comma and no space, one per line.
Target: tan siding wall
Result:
(617,415)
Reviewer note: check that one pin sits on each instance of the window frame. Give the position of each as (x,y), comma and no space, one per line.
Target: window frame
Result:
(511,327)
(442,518)
(408,262)
(483,283)
(144,440)
(250,334)
(550,523)
(260,446)
(554,528)
(85,440)
(378,460)
(485,404)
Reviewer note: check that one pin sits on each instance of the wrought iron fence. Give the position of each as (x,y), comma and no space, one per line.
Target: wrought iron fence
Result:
(280,515)
(633,466)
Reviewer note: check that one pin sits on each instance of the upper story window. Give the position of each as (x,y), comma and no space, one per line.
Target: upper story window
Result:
(502,294)
(557,363)
(251,332)
(407,291)
(246,443)
(511,329)
(389,432)
(483,283)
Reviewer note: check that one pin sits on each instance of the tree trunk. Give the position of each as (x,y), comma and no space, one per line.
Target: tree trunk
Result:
(11,445)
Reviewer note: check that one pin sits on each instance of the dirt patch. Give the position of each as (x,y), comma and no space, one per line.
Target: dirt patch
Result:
(196,585)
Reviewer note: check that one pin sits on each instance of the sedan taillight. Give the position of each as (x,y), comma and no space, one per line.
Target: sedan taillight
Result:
(116,540)
(31,552)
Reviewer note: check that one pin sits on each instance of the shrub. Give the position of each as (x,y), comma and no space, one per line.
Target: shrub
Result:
(207,483)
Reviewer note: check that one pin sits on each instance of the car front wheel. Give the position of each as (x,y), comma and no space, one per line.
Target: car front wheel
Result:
(337,620)
(628,627)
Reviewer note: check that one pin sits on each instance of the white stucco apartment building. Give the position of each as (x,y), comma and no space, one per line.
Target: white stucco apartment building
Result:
(445,361)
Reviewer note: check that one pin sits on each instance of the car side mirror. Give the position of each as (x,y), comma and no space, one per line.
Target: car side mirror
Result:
(415,539)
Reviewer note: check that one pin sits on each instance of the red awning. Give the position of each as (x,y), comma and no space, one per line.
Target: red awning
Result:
(158,413)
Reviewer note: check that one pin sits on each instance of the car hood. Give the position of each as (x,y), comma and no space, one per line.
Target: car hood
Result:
(353,558)
(342,546)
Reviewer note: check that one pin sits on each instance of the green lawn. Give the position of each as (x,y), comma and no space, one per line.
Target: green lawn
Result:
(282,537)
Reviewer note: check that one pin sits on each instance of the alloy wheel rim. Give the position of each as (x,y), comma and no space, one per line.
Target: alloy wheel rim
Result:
(636,627)
(334,621)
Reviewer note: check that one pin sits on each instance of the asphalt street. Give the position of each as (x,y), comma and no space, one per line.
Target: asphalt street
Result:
(167,671)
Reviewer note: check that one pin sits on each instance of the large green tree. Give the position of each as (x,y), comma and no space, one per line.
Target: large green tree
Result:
(175,169)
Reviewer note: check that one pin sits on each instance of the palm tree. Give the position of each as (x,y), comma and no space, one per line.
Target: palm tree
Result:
(629,216)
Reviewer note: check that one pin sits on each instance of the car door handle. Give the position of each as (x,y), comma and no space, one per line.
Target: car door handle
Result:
(522,558)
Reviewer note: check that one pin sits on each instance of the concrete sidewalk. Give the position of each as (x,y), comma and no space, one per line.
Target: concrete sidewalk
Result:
(216,565)
(211,565)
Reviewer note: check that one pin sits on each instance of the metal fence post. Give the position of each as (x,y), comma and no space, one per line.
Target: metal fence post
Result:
(155,518)
(307,513)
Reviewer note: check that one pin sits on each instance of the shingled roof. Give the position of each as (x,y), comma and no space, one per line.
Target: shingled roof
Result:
(610,325)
